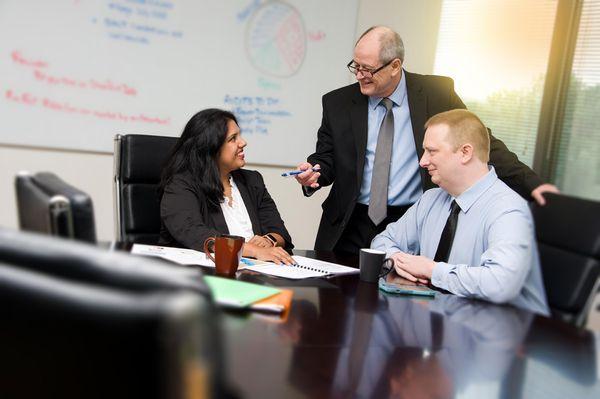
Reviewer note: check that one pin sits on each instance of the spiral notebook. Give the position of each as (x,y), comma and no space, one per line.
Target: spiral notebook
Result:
(305,268)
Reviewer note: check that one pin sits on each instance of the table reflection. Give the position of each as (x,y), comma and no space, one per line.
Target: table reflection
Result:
(432,348)
(346,339)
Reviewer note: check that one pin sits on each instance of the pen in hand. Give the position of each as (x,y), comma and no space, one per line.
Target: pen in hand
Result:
(297,172)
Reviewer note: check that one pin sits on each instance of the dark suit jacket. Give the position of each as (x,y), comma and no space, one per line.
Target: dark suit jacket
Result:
(187,220)
(342,141)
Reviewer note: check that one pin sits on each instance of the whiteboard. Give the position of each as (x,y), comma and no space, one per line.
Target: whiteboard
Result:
(74,73)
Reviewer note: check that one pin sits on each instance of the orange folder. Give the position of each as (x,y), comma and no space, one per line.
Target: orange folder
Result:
(279,303)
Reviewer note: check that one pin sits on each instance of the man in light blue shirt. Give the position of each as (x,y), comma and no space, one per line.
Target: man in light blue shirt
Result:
(493,254)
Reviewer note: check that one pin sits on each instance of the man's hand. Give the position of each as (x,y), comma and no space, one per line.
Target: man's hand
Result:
(413,267)
(544,188)
(308,178)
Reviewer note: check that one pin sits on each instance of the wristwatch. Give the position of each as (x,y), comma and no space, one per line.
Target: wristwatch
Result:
(271,238)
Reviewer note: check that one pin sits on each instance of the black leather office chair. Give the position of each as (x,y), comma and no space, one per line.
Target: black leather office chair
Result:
(568,235)
(64,339)
(49,205)
(139,160)
(100,302)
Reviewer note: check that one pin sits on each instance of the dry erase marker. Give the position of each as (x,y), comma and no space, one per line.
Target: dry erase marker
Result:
(297,172)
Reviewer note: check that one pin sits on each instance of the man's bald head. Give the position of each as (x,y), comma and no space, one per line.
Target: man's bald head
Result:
(391,45)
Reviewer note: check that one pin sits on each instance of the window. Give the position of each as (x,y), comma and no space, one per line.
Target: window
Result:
(577,155)
(497,53)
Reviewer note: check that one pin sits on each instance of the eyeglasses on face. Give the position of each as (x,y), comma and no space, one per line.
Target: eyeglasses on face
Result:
(354,68)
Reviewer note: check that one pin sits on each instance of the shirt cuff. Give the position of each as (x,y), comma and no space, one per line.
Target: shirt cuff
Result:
(439,276)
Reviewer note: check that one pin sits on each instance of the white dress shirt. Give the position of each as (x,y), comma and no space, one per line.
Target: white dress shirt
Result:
(236,214)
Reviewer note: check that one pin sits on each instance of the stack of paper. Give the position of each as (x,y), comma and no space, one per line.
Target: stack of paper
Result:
(178,255)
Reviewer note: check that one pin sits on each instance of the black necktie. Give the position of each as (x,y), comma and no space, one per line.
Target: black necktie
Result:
(445,245)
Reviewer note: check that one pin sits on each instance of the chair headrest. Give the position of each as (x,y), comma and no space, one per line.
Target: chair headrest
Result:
(54,185)
(143,156)
(569,223)
(36,193)
(86,263)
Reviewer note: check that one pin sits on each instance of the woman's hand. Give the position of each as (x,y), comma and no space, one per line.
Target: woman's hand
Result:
(261,241)
(274,254)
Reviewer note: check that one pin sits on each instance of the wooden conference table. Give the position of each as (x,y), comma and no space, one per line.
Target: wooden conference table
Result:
(343,338)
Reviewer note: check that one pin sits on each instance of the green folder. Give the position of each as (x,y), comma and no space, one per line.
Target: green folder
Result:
(237,294)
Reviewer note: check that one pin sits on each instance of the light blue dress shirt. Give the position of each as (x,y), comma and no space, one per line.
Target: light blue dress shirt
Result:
(494,254)
(404,187)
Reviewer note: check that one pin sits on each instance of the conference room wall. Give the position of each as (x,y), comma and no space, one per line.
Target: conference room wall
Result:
(417,22)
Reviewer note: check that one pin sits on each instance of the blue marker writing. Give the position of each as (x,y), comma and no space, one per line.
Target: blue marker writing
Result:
(297,172)
(247,262)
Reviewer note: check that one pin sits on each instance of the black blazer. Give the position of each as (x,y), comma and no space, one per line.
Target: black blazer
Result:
(187,219)
(342,141)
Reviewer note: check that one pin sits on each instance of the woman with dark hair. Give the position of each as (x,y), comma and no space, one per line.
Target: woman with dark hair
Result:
(205,192)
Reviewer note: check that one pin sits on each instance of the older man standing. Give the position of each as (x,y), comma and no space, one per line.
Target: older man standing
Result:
(473,236)
(369,144)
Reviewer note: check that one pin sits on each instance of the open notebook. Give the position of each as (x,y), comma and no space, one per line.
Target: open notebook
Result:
(305,268)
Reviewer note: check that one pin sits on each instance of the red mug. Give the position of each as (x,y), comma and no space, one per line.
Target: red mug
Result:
(228,252)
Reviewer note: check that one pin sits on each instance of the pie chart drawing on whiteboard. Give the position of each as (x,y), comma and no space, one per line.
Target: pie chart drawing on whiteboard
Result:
(276,39)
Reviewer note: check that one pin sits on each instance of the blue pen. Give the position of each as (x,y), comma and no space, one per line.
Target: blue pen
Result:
(297,172)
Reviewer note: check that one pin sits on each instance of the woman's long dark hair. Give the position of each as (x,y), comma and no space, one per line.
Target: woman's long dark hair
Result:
(196,152)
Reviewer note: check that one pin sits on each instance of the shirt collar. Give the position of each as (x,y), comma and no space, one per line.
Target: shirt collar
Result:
(470,196)
(397,96)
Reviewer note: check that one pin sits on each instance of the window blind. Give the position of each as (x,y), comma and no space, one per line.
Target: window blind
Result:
(497,53)
(577,170)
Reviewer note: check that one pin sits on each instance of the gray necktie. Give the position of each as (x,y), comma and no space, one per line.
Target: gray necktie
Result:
(381,167)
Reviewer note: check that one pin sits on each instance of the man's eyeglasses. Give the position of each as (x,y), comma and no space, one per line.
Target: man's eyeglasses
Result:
(367,72)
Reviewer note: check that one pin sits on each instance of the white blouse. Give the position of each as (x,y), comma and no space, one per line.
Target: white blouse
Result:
(236,214)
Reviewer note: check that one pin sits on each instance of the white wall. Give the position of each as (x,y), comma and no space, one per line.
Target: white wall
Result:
(91,173)
(416,21)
